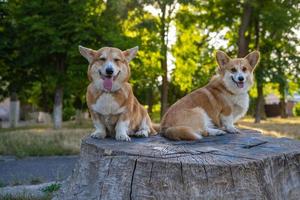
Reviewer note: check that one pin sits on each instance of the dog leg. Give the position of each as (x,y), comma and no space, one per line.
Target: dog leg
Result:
(227,121)
(122,130)
(208,126)
(100,131)
(144,129)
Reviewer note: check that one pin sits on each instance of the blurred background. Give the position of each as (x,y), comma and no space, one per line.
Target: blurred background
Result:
(43,75)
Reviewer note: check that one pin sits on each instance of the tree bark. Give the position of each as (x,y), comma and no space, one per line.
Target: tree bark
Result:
(260,104)
(78,117)
(283,112)
(58,96)
(163,60)
(58,106)
(240,166)
(14,110)
(243,40)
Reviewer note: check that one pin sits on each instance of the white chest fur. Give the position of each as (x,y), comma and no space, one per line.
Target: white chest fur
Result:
(107,105)
(240,104)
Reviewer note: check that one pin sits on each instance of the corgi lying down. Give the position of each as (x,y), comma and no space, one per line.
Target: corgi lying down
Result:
(114,109)
(220,103)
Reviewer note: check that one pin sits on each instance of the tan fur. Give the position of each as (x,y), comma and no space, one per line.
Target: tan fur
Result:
(156,127)
(109,108)
(209,108)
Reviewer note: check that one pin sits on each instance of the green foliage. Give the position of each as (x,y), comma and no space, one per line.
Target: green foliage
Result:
(52,188)
(194,62)
(39,45)
(68,112)
(296,109)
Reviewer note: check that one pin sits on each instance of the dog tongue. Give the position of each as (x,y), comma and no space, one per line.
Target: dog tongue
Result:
(107,83)
(240,84)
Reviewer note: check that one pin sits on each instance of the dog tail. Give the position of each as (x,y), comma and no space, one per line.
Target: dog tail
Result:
(156,127)
(181,133)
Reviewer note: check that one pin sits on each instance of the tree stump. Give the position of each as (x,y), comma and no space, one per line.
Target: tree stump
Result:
(232,166)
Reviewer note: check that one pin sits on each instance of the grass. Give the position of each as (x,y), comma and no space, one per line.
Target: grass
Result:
(275,127)
(9,197)
(52,188)
(43,140)
(48,191)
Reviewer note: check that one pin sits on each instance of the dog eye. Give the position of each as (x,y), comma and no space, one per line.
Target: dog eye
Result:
(233,70)
(244,69)
(103,59)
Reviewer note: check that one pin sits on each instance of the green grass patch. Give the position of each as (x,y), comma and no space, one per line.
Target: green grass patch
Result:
(52,188)
(42,140)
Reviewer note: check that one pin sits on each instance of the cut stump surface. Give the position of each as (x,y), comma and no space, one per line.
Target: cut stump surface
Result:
(232,166)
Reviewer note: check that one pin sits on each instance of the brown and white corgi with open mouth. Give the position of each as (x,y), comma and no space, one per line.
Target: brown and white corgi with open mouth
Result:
(113,107)
(214,108)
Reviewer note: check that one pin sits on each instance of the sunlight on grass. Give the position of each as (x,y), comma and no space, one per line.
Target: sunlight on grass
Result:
(42,141)
(276,127)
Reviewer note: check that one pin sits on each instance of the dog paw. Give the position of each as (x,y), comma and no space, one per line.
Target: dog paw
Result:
(123,137)
(216,132)
(233,130)
(142,133)
(98,135)
(198,136)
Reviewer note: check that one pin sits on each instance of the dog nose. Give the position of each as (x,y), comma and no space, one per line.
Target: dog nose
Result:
(109,71)
(241,78)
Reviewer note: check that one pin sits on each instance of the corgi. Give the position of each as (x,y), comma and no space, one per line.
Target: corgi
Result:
(114,109)
(214,108)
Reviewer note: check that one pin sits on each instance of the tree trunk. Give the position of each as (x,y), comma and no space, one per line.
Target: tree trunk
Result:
(239,166)
(58,96)
(150,100)
(260,104)
(243,40)
(283,112)
(163,61)
(14,110)
(78,116)
(165,89)
(58,106)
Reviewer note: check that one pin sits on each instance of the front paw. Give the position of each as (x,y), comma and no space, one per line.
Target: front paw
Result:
(216,132)
(233,130)
(123,137)
(98,135)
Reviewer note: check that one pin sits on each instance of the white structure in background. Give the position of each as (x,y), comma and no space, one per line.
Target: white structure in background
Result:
(14,113)
(4,111)
(295,98)
(10,111)
(272,99)
(273,108)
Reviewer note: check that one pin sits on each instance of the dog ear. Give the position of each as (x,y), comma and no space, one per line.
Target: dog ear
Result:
(253,58)
(89,54)
(130,53)
(222,58)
